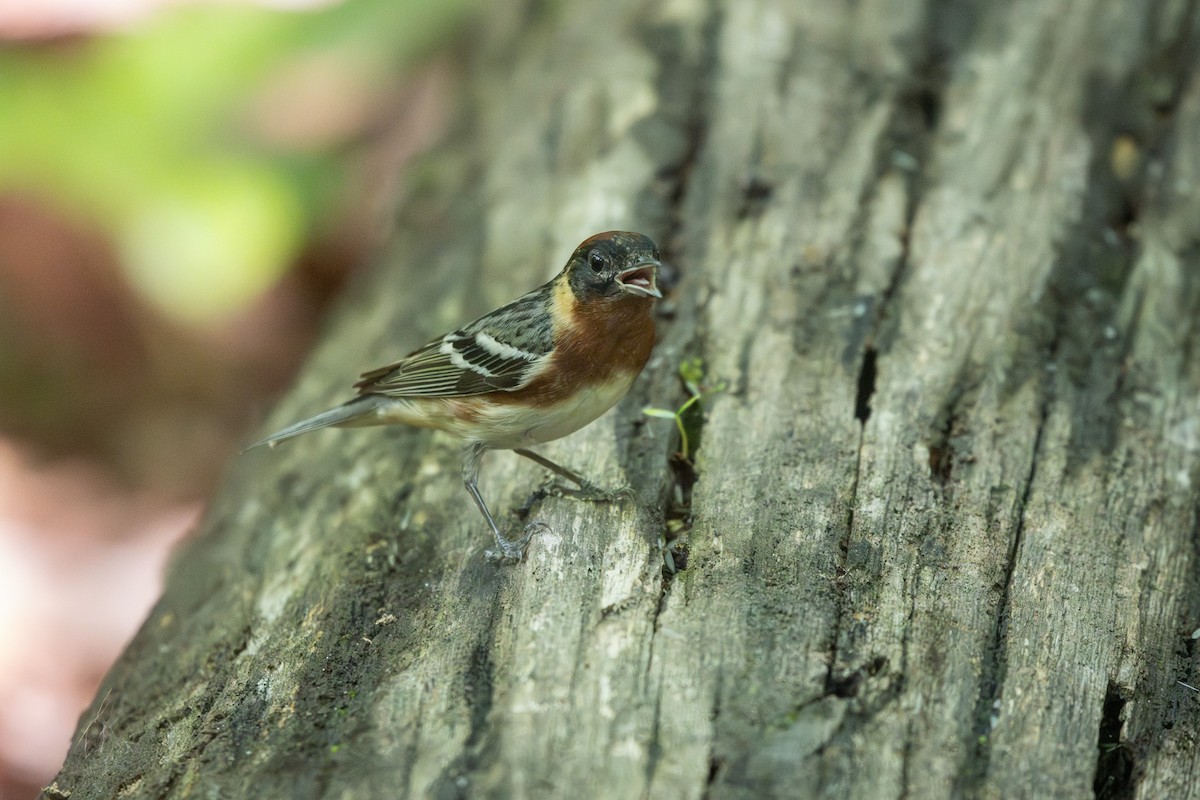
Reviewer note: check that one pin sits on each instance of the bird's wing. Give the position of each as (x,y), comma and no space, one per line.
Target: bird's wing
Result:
(501,351)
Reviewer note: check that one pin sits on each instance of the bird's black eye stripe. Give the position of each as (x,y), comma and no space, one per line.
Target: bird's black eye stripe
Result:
(596,260)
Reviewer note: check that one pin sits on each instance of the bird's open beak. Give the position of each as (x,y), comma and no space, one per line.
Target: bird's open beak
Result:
(641,279)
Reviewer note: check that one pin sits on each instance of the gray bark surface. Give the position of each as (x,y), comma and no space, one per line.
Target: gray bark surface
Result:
(945,530)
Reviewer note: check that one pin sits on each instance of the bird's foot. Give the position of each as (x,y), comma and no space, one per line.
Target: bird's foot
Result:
(511,551)
(590,492)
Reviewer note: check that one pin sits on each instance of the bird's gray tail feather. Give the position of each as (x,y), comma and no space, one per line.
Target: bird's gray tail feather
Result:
(345,414)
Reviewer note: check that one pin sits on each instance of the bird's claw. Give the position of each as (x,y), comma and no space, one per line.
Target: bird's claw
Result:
(511,551)
(591,492)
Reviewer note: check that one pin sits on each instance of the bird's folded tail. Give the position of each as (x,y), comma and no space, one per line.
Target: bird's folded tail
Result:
(344,414)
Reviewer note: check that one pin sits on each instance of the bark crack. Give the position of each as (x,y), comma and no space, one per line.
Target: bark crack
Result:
(690,110)
(654,747)
(866,385)
(996,659)
(1114,762)
(911,129)
(690,106)
(715,762)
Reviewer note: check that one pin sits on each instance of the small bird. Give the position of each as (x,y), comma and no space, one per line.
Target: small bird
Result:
(532,371)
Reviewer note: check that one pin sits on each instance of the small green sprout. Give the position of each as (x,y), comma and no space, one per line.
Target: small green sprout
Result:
(691,372)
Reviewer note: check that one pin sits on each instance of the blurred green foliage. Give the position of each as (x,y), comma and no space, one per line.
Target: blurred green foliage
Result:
(144,134)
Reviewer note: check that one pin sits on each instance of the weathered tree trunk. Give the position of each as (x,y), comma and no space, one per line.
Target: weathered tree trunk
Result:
(945,533)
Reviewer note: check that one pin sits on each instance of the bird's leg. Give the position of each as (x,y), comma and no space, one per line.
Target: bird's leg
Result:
(557,469)
(587,490)
(506,549)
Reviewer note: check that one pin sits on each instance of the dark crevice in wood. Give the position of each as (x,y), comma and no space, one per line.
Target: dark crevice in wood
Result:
(694,124)
(478,683)
(841,574)
(995,661)
(945,431)
(849,684)
(906,759)
(1115,761)
(868,367)
(866,386)
(714,769)
(911,130)
(685,91)
(865,706)
(654,750)
(910,133)
(677,525)
(844,686)
(716,766)
(755,191)
(1194,633)
(716,762)
(941,455)
(523,511)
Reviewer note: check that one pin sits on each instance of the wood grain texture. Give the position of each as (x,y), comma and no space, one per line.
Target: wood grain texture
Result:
(946,530)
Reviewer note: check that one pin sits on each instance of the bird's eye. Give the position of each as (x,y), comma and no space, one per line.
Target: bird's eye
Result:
(596,260)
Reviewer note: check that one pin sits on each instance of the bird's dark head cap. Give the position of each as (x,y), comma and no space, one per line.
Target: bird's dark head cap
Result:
(615,263)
